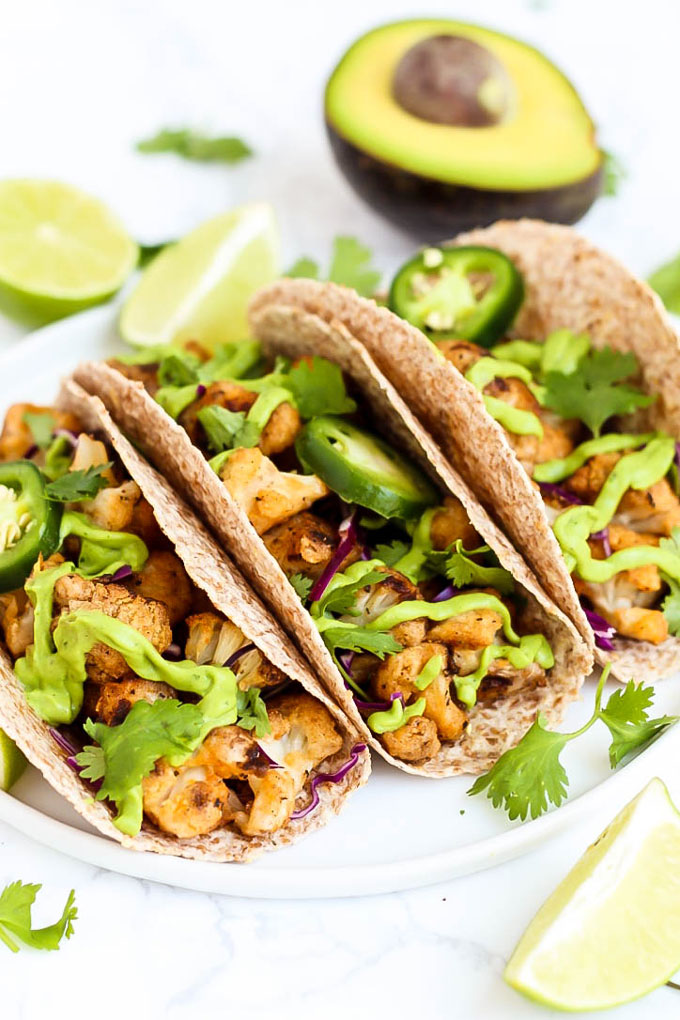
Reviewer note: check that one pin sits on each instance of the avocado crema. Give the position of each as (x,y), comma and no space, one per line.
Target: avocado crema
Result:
(611,495)
(175,717)
(418,615)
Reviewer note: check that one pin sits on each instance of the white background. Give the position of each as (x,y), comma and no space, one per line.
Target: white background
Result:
(80,81)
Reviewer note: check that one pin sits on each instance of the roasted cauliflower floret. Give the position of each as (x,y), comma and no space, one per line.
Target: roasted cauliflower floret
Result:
(212,639)
(164,579)
(656,509)
(143,523)
(305,545)
(77,594)
(415,741)
(374,599)
(646,577)
(16,620)
(268,496)
(281,430)
(461,353)
(398,674)
(116,699)
(502,679)
(555,444)
(618,601)
(642,624)
(587,481)
(450,523)
(475,629)
(89,453)
(17,439)
(112,508)
(186,801)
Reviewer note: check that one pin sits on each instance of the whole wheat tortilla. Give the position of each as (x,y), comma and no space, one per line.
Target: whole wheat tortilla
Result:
(493,727)
(212,572)
(569,283)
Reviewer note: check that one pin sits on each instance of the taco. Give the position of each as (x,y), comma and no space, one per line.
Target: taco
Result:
(427,627)
(552,384)
(140,674)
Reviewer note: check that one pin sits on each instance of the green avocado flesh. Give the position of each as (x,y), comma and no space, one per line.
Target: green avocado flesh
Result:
(543,140)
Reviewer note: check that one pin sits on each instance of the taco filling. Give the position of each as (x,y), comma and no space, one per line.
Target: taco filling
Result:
(610,490)
(158,700)
(417,613)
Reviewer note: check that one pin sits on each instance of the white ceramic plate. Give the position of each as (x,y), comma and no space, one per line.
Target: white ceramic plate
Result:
(399,831)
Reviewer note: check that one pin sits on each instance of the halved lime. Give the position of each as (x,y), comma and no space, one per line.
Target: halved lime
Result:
(199,288)
(610,932)
(60,250)
(12,762)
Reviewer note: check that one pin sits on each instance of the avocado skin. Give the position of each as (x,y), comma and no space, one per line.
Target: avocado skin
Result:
(431,210)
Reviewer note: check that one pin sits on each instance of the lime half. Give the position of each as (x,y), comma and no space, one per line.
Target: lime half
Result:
(199,288)
(60,250)
(610,932)
(12,762)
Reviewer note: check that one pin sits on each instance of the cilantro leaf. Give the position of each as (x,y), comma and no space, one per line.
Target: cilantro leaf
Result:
(595,392)
(392,553)
(359,639)
(625,715)
(340,597)
(529,776)
(41,425)
(74,486)
(194,145)
(455,563)
(178,368)
(614,174)
(319,388)
(252,711)
(16,901)
(666,282)
(304,267)
(350,266)
(302,585)
(226,430)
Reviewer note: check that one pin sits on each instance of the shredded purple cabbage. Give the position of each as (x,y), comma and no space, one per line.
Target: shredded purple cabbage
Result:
(250,647)
(268,758)
(329,777)
(67,434)
(64,742)
(378,706)
(31,451)
(200,390)
(603,536)
(347,533)
(121,574)
(345,659)
(564,494)
(173,653)
(72,763)
(603,631)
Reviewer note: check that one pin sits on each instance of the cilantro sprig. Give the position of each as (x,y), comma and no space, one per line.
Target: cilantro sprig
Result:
(456,564)
(78,485)
(350,266)
(16,901)
(530,776)
(596,390)
(302,585)
(196,146)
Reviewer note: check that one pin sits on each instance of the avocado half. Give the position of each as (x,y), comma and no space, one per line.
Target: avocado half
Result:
(518,141)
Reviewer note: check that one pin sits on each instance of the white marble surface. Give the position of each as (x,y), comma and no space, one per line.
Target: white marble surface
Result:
(79,82)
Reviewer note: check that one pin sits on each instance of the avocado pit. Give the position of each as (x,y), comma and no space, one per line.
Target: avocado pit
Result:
(448,79)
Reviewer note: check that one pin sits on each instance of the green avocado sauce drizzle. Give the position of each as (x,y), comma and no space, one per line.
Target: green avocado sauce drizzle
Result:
(574,526)
(398,714)
(514,419)
(613,442)
(53,670)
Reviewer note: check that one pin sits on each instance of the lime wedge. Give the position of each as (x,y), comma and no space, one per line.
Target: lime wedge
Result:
(609,933)
(60,250)
(199,288)
(12,762)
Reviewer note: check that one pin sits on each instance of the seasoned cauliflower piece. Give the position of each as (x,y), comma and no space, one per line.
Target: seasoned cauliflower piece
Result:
(89,453)
(112,508)
(212,639)
(587,481)
(374,599)
(475,629)
(117,698)
(16,620)
(164,579)
(17,439)
(415,741)
(305,544)
(461,353)
(502,679)
(517,394)
(555,444)
(644,578)
(186,801)
(642,624)
(398,673)
(451,523)
(656,509)
(281,430)
(268,496)
(73,593)
(143,523)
